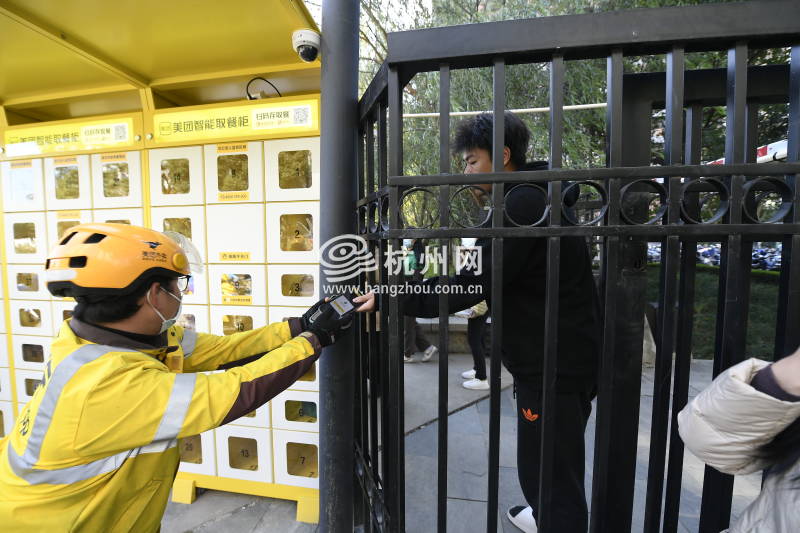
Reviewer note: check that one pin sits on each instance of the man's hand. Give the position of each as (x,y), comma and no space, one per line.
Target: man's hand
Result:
(367,301)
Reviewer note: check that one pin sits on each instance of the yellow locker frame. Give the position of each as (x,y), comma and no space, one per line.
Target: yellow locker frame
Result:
(149,130)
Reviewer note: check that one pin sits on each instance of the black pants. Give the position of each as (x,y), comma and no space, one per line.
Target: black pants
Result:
(413,337)
(570,512)
(475,330)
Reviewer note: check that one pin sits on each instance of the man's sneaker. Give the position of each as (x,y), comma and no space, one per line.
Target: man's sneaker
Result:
(468,374)
(522,517)
(408,359)
(476,384)
(429,352)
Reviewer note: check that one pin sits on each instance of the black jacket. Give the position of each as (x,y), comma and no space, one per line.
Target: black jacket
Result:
(524,276)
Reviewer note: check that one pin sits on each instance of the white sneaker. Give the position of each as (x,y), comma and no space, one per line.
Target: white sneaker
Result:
(522,517)
(468,374)
(476,384)
(429,352)
(408,359)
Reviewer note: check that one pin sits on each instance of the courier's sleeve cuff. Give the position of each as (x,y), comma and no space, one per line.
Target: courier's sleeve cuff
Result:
(295,326)
(313,340)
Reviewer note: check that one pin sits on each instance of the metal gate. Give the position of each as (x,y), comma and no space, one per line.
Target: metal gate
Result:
(677,226)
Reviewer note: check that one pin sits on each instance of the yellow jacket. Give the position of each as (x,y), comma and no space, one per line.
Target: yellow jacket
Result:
(95,449)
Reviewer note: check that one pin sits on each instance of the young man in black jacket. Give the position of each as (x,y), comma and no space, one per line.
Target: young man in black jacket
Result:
(579,327)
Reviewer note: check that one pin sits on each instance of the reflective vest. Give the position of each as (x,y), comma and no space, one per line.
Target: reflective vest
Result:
(95,449)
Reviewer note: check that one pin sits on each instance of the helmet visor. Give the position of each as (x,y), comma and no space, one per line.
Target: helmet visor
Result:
(191,251)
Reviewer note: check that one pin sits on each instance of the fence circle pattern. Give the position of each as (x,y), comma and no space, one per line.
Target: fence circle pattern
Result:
(654,187)
(477,199)
(692,187)
(770,184)
(567,212)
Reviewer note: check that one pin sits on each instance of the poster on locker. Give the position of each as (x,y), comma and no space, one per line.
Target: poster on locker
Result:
(23,185)
(234,172)
(6,418)
(62,310)
(30,353)
(176,176)
(60,222)
(27,381)
(244,453)
(67,182)
(194,317)
(198,455)
(31,317)
(26,238)
(27,282)
(236,233)
(296,458)
(259,418)
(293,285)
(294,232)
(189,221)
(237,284)
(117,180)
(133,216)
(229,319)
(296,410)
(292,169)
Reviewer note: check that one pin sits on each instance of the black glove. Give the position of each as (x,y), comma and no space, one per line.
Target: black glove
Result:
(325,322)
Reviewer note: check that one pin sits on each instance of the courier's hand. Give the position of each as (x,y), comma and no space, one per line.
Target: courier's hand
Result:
(328,326)
(367,301)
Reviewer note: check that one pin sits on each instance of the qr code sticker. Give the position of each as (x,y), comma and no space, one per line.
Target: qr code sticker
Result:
(120,132)
(301,115)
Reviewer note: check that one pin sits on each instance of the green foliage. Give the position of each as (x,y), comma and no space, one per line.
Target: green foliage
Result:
(762,311)
(527,85)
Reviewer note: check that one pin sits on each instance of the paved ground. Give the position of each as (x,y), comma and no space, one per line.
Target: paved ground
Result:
(467,466)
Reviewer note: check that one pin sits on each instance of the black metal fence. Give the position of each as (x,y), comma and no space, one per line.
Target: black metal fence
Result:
(627,223)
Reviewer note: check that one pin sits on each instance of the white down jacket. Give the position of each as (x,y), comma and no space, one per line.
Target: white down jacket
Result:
(726,424)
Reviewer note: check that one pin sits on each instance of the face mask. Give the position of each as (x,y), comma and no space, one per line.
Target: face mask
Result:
(408,243)
(166,323)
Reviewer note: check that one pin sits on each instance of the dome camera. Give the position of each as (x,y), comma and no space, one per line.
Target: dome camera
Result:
(306,44)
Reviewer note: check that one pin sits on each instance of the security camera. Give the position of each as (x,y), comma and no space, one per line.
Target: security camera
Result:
(306,44)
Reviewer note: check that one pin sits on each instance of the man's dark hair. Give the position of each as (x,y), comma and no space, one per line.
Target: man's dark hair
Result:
(102,309)
(476,132)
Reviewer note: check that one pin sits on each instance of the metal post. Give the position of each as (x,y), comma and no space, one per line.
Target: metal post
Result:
(338,207)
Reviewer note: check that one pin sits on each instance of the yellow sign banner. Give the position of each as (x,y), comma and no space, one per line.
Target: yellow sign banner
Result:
(234,196)
(71,137)
(283,117)
(231,148)
(110,158)
(234,256)
(68,215)
(235,299)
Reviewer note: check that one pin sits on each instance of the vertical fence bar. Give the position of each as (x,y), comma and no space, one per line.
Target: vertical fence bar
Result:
(550,361)
(498,193)
(734,284)
(383,145)
(444,314)
(683,346)
(787,335)
(396,396)
(387,404)
(608,509)
(667,297)
(371,178)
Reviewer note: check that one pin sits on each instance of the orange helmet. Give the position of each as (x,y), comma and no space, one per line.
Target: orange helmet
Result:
(111,259)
